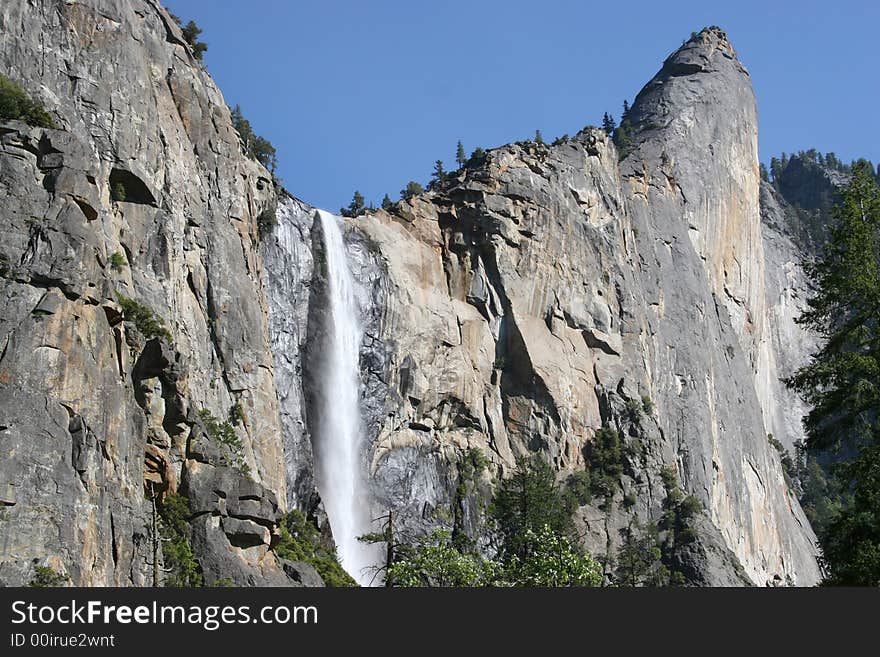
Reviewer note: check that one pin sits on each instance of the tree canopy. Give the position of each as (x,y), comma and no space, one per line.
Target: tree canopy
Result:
(356,207)
(460,157)
(534,518)
(527,501)
(15,104)
(257,147)
(191,33)
(842,380)
(412,189)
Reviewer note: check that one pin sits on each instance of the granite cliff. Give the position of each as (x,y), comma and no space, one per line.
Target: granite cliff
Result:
(540,295)
(141,193)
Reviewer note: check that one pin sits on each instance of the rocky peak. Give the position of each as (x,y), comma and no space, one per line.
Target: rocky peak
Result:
(700,53)
(696,142)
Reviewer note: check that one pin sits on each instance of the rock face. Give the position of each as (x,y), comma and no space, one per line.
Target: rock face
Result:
(787,289)
(540,295)
(694,171)
(142,195)
(287,253)
(548,292)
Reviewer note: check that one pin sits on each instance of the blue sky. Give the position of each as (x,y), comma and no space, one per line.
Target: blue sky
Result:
(367,95)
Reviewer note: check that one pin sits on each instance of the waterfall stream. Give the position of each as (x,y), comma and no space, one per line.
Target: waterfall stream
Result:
(338,436)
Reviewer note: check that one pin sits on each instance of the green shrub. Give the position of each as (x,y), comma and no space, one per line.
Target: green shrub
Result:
(236,414)
(647,405)
(267,220)
(223,582)
(579,487)
(16,105)
(604,486)
(118,193)
(689,507)
(790,470)
(178,556)
(604,456)
(143,318)
(686,535)
(778,446)
(472,463)
(635,448)
(670,479)
(117,261)
(674,497)
(301,541)
(231,447)
(46,577)
(634,410)
(552,560)
(436,561)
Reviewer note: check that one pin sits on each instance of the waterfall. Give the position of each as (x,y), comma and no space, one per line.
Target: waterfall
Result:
(340,468)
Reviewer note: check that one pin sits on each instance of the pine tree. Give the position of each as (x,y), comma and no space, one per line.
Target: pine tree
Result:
(264,152)
(622,138)
(639,560)
(386,202)
(438,177)
(191,33)
(460,157)
(842,381)
(355,208)
(527,501)
(775,168)
(623,133)
(539,139)
(243,127)
(476,157)
(608,124)
(412,189)
(257,147)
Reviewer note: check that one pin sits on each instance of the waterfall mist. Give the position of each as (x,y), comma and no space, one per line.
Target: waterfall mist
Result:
(338,432)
